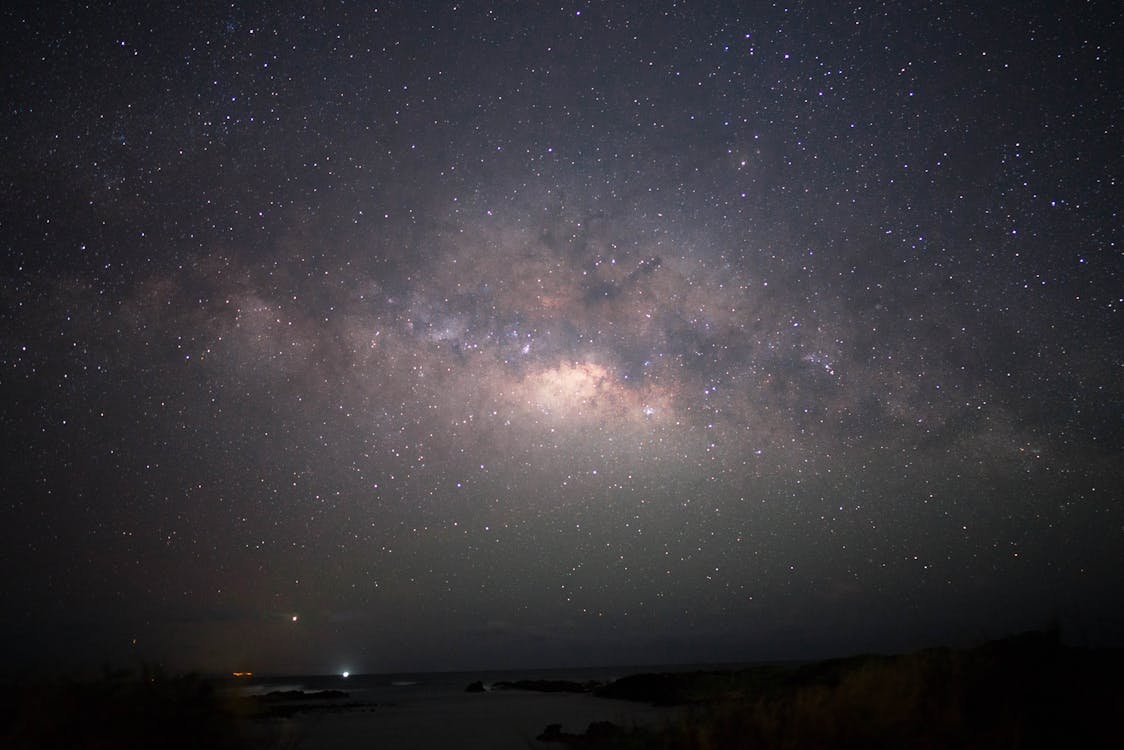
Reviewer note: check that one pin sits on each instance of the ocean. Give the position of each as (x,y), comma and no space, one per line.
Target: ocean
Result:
(433,710)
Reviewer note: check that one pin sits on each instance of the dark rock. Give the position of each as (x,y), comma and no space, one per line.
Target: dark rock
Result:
(664,689)
(552,733)
(597,734)
(475,687)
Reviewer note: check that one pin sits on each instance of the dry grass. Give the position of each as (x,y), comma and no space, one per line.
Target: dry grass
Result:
(1025,692)
(146,710)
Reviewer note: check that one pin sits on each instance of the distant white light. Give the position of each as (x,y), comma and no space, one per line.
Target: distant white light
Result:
(294,618)
(345,674)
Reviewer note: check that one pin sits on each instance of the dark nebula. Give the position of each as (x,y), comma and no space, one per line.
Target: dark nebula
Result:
(452,335)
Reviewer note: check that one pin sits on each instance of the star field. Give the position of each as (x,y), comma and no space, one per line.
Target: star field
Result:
(451,335)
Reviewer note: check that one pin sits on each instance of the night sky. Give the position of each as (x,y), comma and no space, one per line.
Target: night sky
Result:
(430,335)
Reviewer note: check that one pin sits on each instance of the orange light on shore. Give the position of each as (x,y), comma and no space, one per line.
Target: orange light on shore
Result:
(243,674)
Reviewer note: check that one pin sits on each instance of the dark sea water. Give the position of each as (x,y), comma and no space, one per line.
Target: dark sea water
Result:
(399,687)
(433,710)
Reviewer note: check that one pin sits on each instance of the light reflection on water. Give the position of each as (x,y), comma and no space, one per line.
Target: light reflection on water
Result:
(408,688)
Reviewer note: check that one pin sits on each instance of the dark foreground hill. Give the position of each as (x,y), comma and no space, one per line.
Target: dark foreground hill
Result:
(1025,692)
(1028,691)
(121,710)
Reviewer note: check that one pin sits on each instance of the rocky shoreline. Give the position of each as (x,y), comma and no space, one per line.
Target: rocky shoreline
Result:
(1027,691)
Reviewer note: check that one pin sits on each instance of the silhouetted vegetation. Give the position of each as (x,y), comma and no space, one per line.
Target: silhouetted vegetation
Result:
(121,710)
(1028,691)
(1025,692)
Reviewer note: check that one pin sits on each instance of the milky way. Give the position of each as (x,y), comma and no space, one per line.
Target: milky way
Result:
(433,338)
